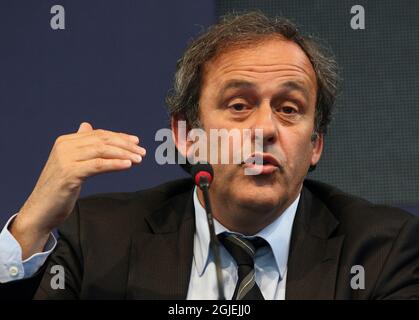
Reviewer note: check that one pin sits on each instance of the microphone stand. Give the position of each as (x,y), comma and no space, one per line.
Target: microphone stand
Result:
(214,243)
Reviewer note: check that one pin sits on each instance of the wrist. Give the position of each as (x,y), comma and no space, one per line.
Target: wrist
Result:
(31,237)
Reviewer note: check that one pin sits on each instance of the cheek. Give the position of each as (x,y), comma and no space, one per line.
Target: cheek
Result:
(224,177)
(298,151)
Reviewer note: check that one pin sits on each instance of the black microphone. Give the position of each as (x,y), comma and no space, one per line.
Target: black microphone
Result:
(203,176)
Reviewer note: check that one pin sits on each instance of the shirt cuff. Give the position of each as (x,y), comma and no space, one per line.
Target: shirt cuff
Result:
(11,265)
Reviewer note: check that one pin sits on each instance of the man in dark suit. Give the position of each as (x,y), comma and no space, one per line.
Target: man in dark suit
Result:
(281,236)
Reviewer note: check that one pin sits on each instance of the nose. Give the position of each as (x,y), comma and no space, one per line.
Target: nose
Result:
(265,120)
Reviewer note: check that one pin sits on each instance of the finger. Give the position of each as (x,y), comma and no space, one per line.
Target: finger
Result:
(99,165)
(106,134)
(85,127)
(106,152)
(98,132)
(107,139)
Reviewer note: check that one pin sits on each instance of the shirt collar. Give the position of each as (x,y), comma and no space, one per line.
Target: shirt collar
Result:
(277,234)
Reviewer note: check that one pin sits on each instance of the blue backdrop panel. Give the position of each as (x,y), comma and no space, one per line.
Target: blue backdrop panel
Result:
(112,66)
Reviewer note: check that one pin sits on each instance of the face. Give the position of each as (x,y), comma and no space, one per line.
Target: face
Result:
(270,86)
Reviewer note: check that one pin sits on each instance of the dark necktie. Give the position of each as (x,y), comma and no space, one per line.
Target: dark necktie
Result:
(243,251)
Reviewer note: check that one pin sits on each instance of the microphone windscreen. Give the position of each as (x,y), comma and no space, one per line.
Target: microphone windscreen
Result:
(201,167)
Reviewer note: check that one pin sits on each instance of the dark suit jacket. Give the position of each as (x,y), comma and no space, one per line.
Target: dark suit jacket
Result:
(140,246)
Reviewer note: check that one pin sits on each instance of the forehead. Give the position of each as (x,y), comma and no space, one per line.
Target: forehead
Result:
(268,63)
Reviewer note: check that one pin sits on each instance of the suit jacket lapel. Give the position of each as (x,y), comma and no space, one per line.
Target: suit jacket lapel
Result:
(161,259)
(314,251)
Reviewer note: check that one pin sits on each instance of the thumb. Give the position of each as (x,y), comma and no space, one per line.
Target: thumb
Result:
(85,127)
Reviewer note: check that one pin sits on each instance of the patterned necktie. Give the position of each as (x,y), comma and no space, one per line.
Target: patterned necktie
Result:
(243,251)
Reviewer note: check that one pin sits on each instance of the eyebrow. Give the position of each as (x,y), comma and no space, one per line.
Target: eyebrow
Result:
(236,84)
(287,86)
(296,86)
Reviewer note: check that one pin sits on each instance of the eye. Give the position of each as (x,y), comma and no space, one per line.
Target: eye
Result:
(238,107)
(288,110)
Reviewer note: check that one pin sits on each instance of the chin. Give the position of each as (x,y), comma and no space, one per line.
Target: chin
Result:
(260,198)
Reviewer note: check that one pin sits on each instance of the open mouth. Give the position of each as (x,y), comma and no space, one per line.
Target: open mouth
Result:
(261,163)
(267,162)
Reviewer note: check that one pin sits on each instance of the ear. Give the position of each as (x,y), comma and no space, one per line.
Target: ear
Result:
(180,132)
(317,149)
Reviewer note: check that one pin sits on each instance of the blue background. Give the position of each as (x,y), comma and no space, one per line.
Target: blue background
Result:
(111,66)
